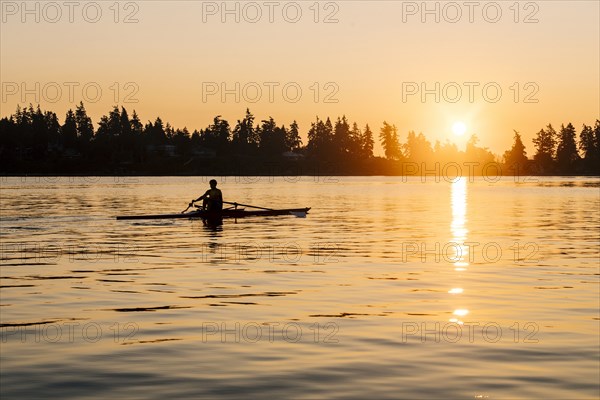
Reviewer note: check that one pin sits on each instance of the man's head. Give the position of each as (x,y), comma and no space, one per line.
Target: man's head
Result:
(213,183)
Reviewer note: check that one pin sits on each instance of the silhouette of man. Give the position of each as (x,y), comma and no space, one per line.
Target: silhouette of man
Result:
(212,199)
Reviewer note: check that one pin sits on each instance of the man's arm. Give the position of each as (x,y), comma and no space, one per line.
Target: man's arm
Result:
(201,197)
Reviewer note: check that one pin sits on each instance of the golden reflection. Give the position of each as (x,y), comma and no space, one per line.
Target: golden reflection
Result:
(459,236)
(461,312)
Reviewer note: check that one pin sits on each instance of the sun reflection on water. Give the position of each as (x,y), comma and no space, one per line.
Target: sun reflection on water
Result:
(459,236)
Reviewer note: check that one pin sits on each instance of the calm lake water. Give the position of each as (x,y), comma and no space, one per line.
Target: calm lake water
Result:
(390,288)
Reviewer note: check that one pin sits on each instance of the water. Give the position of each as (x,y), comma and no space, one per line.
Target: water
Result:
(390,288)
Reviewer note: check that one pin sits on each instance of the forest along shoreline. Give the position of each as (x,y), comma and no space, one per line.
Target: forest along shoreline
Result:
(35,142)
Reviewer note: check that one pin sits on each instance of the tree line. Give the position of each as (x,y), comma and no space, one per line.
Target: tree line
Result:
(34,141)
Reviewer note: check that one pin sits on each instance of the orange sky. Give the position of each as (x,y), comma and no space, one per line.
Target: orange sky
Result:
(369,60)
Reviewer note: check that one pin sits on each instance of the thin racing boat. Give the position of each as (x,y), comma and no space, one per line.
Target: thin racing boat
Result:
(232,212)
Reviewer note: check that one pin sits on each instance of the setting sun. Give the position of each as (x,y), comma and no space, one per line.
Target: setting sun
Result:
(459,128)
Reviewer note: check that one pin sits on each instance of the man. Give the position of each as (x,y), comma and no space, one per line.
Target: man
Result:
(212,199)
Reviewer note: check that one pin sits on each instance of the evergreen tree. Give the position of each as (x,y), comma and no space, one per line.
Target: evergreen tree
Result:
(103,129)
(137,132)
(69,131)
(292,140)
(320,138)
(597,135)
(103,144)
(40,133)
(126,139)
(125,124)
(85,128)
(272,138)
(24,120)
(217,135)
(516,157)
(155,132)
(169,132)
(545,145)
(244,138)
(314,138)
(196,140)
(181,141)
(566,151)
(589,149)
(136,125)
(114,128)
(367,142)
(355,150)
(9,141)
(389,140)
(19,115)
(328,133)
(597,146)
(53,127)
(341,137)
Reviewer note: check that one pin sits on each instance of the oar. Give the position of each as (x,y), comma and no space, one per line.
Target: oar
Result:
(188,207)
(247,205)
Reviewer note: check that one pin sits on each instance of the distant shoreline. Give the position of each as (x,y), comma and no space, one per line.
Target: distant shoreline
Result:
(101,175)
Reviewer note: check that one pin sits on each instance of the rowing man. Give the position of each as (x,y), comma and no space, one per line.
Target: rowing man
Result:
(212,199)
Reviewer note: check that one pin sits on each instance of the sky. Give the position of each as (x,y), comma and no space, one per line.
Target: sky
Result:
(423,66)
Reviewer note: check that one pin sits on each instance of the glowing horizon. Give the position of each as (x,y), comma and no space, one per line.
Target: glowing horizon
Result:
(184,64)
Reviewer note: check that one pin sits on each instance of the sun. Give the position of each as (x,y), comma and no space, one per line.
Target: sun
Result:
(459,128)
